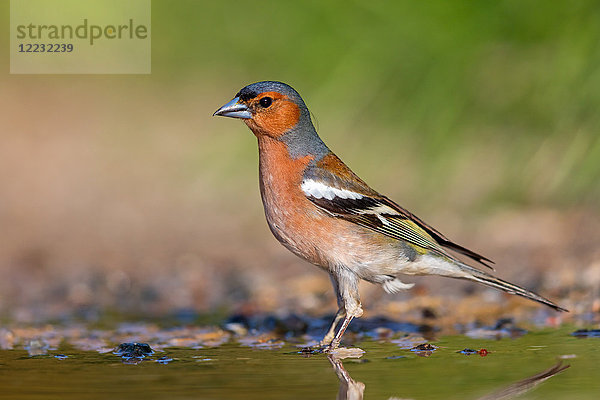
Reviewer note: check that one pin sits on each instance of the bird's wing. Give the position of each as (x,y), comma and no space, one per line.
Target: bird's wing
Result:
(346,196)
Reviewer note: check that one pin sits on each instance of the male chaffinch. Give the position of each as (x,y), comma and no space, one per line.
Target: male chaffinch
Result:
(323,212)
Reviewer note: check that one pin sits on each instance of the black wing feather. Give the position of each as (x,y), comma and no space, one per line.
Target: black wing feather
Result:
(439,237)
(361,212)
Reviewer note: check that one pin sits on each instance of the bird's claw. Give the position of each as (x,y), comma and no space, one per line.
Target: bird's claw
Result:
(311,350)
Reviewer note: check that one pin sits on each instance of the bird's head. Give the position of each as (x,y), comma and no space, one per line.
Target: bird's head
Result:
(268,108)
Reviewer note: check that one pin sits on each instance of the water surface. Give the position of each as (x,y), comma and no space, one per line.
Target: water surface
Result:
(532,365)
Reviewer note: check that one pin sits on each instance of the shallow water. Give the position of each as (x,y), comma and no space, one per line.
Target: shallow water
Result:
(387,369)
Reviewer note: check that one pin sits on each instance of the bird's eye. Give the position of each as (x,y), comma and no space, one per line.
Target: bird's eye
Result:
(265,102)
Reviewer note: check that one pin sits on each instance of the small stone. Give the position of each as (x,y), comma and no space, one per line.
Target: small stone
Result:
(424,347)
(133,350)
(343,352)
(7,339)
(236,328)
(37,347)
(586,333)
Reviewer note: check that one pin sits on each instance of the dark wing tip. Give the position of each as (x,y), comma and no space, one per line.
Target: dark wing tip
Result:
(484,261)
(469,253)
(552,305)
(438,236)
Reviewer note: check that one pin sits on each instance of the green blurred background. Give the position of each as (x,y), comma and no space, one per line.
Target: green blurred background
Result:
(509,89)
(122,192)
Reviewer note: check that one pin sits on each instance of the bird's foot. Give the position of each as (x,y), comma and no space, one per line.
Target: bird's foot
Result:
(326,345)
(331,347)
(318,349)
(333,350)
(321,347)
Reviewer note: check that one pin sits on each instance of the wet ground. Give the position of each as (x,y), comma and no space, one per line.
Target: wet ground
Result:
(237,361)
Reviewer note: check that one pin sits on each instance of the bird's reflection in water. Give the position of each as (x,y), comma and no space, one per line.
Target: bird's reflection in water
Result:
(525,385)
(349,388)
(354,390)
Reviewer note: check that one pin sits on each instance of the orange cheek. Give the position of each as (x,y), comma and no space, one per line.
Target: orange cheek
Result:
(276,121)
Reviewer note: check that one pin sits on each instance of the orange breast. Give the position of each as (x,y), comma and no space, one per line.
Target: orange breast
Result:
(293,219)
(301,226)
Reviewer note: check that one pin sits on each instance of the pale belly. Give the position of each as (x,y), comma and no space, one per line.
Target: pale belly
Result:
(332,243)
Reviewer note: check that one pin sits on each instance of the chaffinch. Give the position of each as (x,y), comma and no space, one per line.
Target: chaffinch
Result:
(323,212)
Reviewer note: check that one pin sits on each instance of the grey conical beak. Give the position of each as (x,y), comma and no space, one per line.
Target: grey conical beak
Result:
(233,109)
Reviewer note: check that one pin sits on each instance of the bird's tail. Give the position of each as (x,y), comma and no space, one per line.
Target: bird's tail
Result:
(476,275)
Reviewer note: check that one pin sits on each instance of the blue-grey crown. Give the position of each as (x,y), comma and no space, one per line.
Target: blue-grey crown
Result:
(254,89)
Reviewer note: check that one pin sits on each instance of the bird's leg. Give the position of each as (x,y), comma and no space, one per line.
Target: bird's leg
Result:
(335,343)
(347,291)
(341,313)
